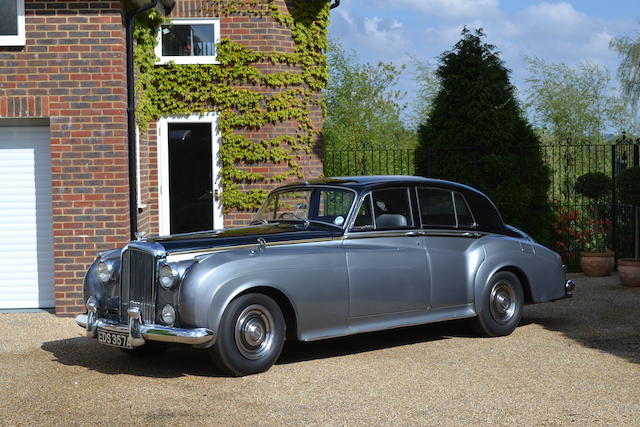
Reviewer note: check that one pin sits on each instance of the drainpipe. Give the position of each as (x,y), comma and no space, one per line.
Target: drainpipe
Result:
(129,19)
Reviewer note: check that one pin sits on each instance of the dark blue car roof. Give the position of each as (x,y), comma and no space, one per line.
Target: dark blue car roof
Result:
(484,210)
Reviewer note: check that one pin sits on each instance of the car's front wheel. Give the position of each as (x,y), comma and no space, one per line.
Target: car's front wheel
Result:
(250,336)
(500,308)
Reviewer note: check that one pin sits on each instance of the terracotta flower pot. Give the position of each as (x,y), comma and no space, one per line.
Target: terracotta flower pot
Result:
(629,270)
(597,264)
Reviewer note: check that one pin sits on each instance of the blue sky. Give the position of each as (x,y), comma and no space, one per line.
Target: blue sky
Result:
(570,31)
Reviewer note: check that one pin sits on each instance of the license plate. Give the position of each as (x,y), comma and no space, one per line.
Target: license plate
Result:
(114,339)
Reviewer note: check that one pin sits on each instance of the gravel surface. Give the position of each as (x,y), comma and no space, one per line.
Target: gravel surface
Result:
(575,361)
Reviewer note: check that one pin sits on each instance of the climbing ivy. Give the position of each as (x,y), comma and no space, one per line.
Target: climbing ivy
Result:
(234,88)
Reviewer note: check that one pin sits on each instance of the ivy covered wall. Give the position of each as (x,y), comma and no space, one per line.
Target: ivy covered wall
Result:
(266,91)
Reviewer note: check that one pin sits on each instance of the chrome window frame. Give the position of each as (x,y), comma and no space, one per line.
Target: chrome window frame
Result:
(411,226)
(455,210)
(355,213)
(311,187)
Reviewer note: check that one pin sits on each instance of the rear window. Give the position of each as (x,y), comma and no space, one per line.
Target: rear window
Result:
(442,208)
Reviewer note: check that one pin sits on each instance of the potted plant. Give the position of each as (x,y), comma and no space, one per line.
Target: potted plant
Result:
(596,259)
(629,187)
(581,230)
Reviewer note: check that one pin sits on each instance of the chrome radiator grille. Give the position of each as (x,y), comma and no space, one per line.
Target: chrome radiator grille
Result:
(137,281)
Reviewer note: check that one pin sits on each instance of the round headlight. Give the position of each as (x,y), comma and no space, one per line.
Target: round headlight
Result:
(103,272)
(168,314)
(168,276)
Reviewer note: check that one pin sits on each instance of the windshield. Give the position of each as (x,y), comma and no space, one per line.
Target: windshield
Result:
(326,205)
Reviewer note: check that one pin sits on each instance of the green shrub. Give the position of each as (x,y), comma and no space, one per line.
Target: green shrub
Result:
(477,134)
(629,185)
(594,185)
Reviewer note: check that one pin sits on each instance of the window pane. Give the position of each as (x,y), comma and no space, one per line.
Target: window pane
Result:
(465,219)
(293,205)
(436,207)
(392,208)
(188,40)
(9,18)
(364,219)
(334,206)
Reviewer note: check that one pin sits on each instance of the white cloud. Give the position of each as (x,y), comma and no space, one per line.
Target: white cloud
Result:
(384,33)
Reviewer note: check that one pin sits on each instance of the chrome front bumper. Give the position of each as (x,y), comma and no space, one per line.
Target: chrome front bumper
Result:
(138,332)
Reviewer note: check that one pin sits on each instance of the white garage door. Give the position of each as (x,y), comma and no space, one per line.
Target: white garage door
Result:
(26,238)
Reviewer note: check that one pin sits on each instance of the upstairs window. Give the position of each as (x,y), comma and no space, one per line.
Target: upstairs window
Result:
(189,41)
(12,23)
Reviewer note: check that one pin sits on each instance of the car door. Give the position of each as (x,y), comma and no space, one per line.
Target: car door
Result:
(386,260)
(448,229)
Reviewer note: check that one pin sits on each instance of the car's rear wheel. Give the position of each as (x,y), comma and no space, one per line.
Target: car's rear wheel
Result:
(250,336)
(500,308)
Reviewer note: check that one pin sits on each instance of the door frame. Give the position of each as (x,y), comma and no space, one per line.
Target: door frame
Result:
(163,167)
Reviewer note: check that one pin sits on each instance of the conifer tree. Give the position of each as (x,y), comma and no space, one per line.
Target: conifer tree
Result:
(476,134)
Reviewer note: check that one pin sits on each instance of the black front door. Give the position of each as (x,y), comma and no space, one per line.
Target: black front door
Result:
(190,177)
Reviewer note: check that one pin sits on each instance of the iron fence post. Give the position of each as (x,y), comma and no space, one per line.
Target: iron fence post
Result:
(614,196)
(636,238)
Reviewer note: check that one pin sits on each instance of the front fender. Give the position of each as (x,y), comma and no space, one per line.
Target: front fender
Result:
(311,276)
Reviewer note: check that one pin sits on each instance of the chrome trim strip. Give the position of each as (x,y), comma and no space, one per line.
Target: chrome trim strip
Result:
(456,233)
(405,232)
(250,246)
(153,332)
(413,233)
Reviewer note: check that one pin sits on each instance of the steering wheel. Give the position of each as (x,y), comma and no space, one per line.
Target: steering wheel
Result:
(290,215)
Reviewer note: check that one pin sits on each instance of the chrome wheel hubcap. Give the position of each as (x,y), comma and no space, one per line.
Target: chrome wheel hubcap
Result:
(254,332)
(502,301)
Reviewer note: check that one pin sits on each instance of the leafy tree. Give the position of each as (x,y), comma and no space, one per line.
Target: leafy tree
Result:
(428,85)
(575,104)
(629,69)
(476,134)
(363,110)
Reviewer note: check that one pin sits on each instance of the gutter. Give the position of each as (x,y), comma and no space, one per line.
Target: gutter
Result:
(129,19)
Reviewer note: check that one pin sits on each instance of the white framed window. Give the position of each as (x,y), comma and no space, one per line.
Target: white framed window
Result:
(189,41)
(12,23)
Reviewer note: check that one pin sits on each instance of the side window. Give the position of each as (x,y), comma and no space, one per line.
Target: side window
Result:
(334,206)
(364,219)
(465,219)
(392,208)
(436,207)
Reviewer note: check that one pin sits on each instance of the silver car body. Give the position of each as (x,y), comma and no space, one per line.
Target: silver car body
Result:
(329,283)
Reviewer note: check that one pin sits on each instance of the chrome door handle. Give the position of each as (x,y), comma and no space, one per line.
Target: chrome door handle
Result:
(468,234)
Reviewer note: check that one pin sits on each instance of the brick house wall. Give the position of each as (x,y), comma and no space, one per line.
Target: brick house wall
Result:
(261,34)
(71,72)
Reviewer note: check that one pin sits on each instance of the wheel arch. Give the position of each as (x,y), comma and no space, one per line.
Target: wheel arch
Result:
(524,281)
(288,312)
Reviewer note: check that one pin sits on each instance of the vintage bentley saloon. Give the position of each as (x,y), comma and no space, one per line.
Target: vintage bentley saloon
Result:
(322,259)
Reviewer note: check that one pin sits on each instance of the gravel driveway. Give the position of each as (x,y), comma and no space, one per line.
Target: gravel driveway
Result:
(573,361)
